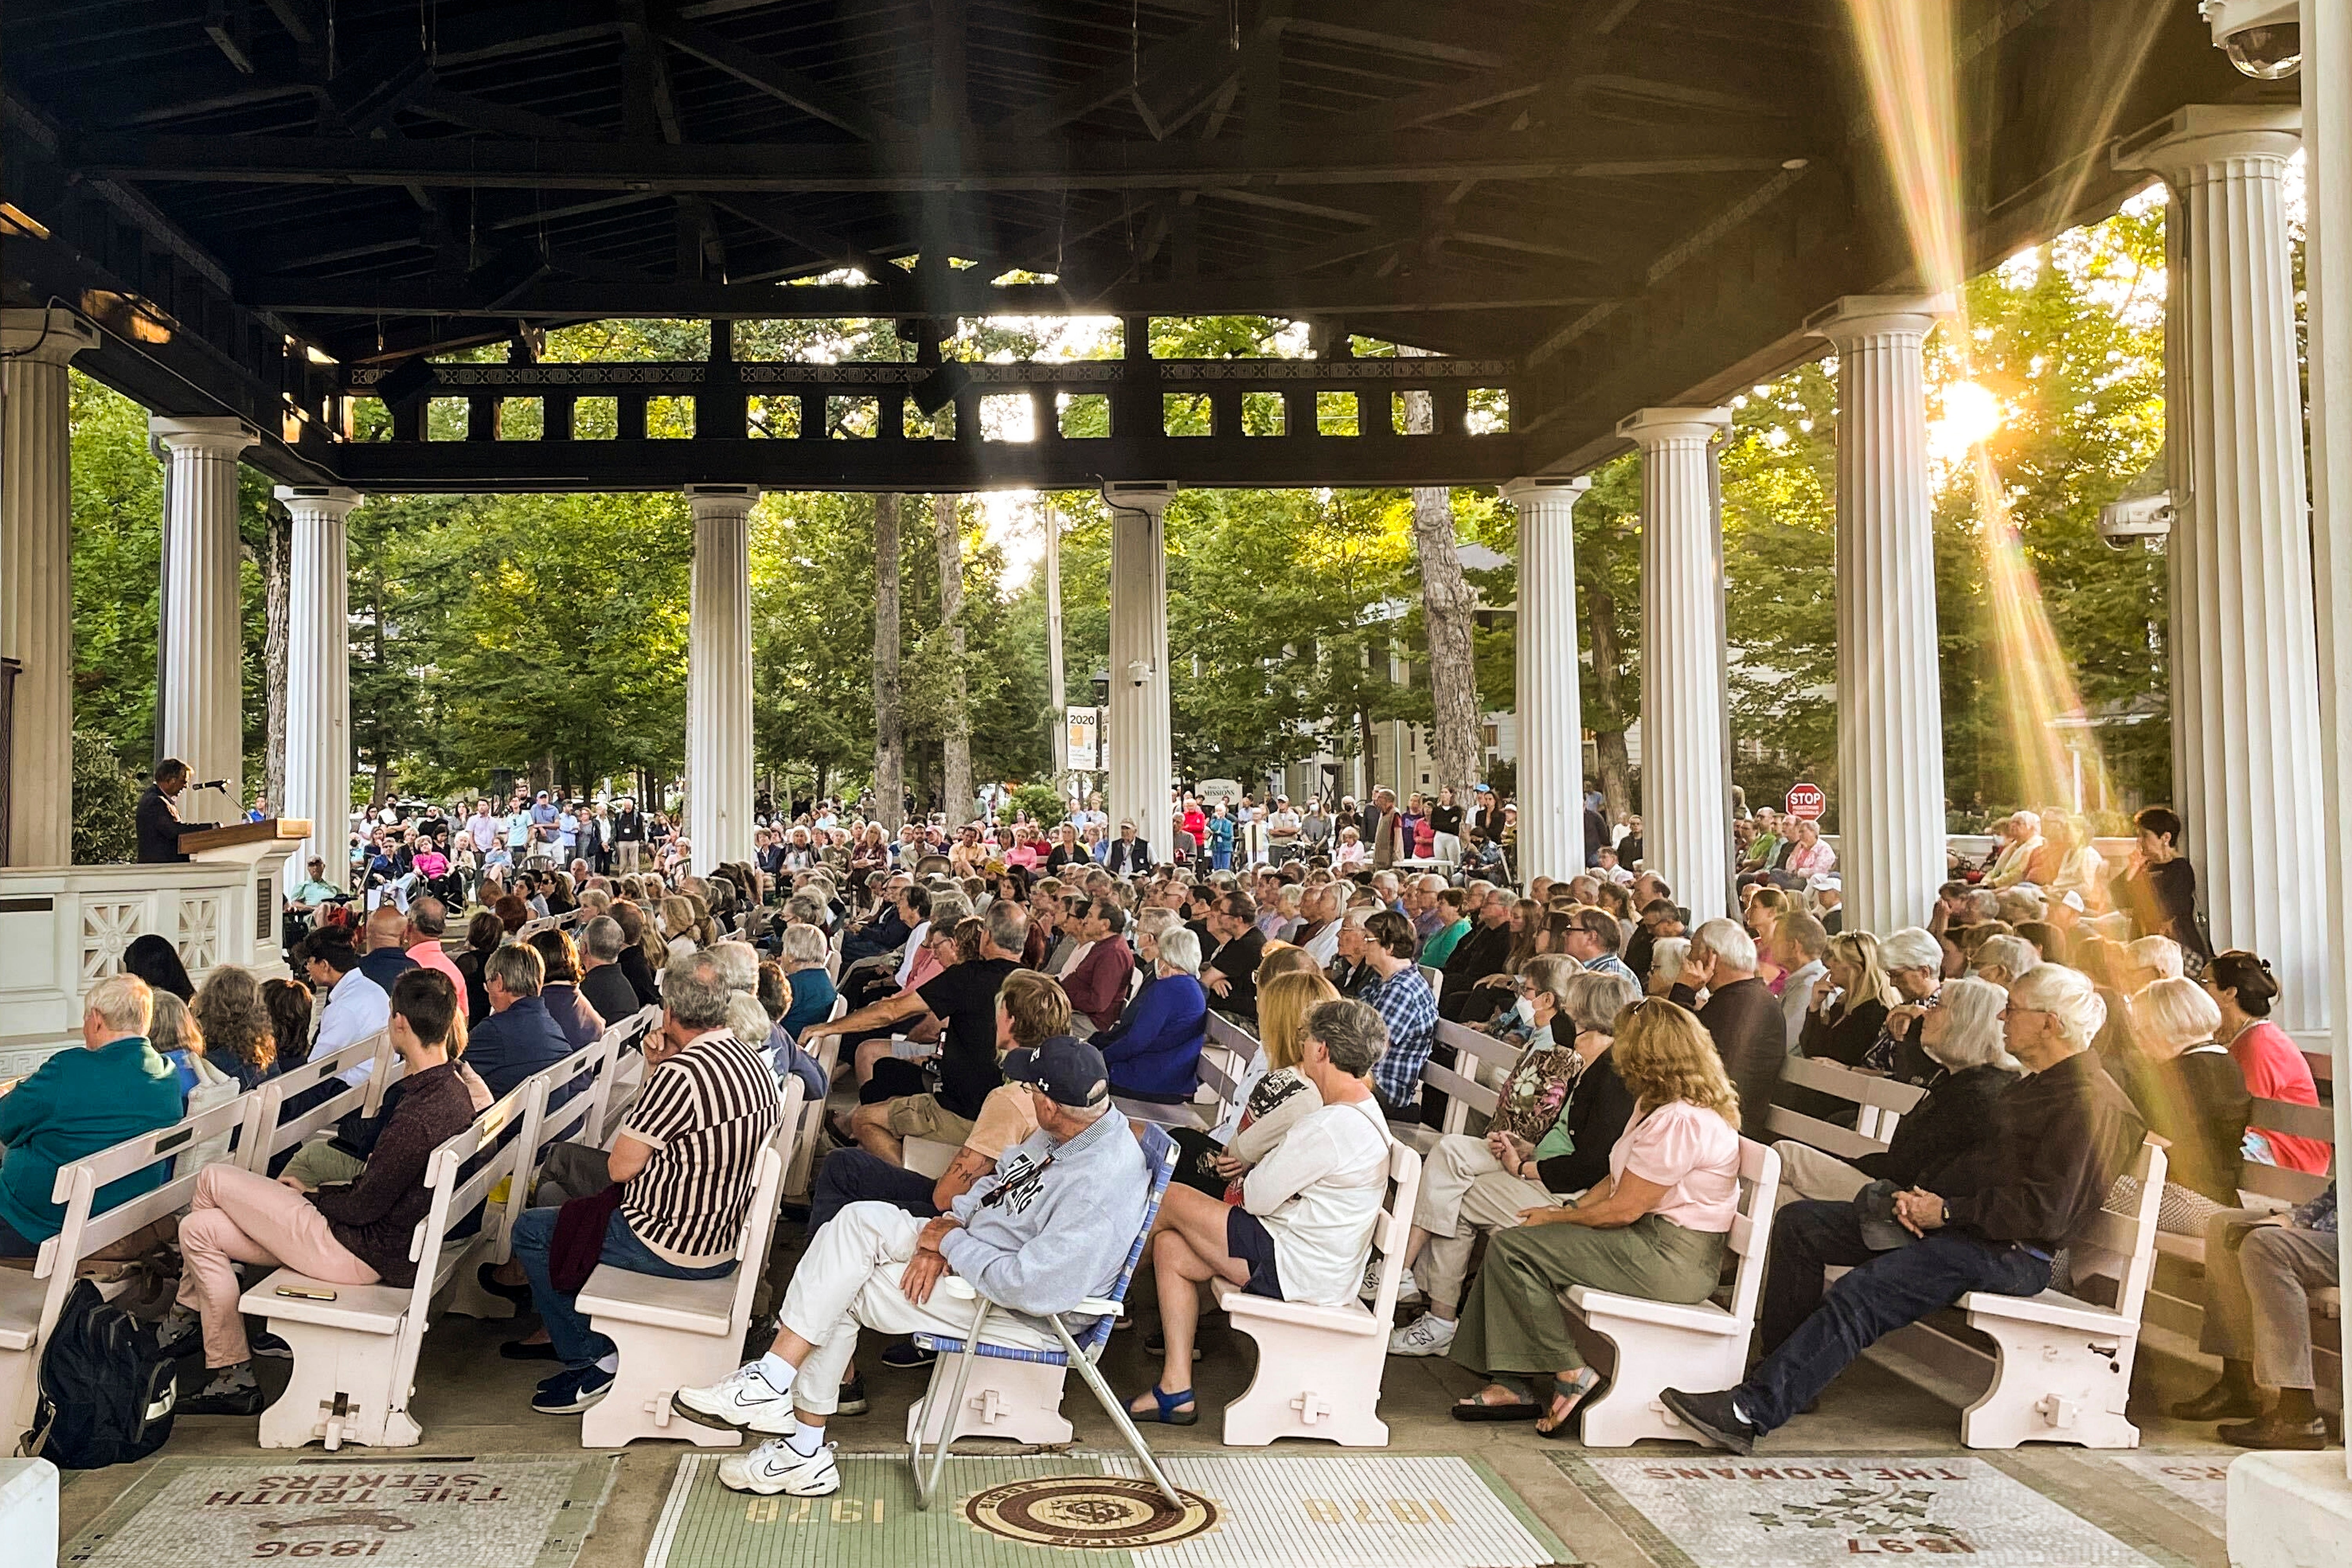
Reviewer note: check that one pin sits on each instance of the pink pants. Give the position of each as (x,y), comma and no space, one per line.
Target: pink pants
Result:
(238,1217)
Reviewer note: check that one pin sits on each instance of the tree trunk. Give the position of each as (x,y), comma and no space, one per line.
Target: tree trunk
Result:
(1446,604)
(276,564)
(889,725)
(955,724)
(1608,713)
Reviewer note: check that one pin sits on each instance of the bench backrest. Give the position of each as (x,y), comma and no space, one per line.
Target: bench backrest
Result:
(1435,976)
(1752,1228)
(270,1130)
(624,1071)
(456,1194)
(2133,1236)
(1237,1048)
(1394,1224)
(767,1196)
(2276,1182)
(1461,1083)
(544,1124)
(1882,1102)
(77,1185)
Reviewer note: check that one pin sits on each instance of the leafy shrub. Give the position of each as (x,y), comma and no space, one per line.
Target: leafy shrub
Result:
(105,800)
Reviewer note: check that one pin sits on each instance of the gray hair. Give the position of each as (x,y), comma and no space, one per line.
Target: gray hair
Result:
(1353,1035)
(1157,922)
(1972,1038)
(601,938)
(802,944)
(746,1019)
(740,963)
(1592,999)
(2160,953)
(1911,948)
(805,908)
(2177,1011)
(1180,950)
(122,1002)
(695,992)
(1667,956)
(2068,997)
(2013,955)
(1008,926)
(518,968)
(1727,939)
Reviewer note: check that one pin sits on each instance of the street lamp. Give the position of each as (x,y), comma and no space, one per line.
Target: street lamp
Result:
(1102,687)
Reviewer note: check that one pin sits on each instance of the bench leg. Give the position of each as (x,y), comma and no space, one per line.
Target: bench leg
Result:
(1310,1383)
(343,1390)
(1649,1358)
(20,1393)
(1019,1401)
(656,1363)
(468,1299)
(2052,1385)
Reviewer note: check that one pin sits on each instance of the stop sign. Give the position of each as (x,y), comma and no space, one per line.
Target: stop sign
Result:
(1807,801)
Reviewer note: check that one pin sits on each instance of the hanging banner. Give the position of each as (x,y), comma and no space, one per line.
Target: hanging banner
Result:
(1082,730)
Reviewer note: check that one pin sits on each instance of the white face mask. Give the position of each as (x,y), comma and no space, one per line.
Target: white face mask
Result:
(1524,1011)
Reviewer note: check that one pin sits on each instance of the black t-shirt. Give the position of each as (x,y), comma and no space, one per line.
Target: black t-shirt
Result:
(963,996)
(1445,819)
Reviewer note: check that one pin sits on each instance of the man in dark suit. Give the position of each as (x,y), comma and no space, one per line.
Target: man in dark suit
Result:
(160,827)
(1742,1016)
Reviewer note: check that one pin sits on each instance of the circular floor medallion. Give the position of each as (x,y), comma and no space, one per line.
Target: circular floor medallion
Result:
(1088,1513)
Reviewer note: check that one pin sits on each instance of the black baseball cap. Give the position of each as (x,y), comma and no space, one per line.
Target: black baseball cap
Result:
(1070,1071)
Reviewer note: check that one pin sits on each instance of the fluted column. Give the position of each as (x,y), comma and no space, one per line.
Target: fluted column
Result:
(1685,771)
(1142,736)
(319,672)
(1551,701)
(36,575)
(1890,778)
(719,677)
(203,626)
(2245,666)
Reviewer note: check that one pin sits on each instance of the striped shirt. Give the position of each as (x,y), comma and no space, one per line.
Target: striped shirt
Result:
(706,1112)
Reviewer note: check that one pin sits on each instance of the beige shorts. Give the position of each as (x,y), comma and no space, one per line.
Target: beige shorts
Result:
(922,1116)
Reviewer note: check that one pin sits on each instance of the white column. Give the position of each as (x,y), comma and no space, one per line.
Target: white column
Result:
(36,575)
(1685,774)
(1550,700)
(719,677)
(1142,737)
(204,628)
(1890,777)
(2246,676)
(318,673)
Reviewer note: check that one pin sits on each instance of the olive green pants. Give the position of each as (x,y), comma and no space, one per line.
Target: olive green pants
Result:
(1513,1321)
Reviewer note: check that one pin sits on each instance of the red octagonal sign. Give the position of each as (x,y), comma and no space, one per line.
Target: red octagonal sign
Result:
(1807,801)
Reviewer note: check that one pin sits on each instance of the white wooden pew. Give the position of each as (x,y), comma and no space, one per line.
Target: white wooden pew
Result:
(271,1127)
(681,1333)
(615,1090)
(1320,1368)
(30,1299)
(1481,1064)
(355,1350)
(1702,1347)
(1881,1103)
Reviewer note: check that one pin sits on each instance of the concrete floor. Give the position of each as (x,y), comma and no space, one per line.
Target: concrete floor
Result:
(472,1402)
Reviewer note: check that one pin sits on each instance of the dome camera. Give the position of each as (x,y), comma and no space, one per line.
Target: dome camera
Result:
(2264,38)
(2140,520)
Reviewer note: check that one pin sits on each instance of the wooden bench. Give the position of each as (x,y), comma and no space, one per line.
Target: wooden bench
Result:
(30,1299)
(1701,1348)
(1320,1368)
(618,1088)
(1227,1051)
(1481,1063)
(356,1351)
(1881,1103)
(273,1127)
(680,1333)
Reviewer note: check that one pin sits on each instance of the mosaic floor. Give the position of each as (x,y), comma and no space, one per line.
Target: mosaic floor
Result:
(1384,1510)
(407,1512)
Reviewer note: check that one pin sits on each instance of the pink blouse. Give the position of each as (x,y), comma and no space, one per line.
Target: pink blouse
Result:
(1693,1154)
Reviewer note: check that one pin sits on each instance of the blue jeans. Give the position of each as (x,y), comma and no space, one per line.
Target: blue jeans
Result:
(577,1344)
(1809,1339)
(853,1175)
(1221,853)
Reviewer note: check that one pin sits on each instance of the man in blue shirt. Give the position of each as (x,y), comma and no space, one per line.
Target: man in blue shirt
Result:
(521,1037)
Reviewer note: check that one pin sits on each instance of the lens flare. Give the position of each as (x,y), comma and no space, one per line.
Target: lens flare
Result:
(1905,49)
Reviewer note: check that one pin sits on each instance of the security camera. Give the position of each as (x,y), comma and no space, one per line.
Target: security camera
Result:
(2139,519)
(2264,38)
(1138,673)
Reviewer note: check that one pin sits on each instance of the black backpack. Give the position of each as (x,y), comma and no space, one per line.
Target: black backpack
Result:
(107,1388)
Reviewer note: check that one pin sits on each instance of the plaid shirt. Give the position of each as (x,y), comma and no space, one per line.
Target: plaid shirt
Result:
(1406,1005)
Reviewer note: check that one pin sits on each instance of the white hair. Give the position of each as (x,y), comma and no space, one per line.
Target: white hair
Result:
(1180,950)
(739,964)
(802,944)
(1727,939)
(2013,955)
(2068,997)
(2158,955)
(1911,948)
(122,1002)
(2175,1012)
(1973,1037)
(1667,956)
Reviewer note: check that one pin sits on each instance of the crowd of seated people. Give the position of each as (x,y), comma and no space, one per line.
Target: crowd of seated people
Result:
(996,1004)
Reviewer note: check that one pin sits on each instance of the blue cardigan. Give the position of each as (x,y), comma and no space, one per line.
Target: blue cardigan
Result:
(73,1105)
(1155,1051)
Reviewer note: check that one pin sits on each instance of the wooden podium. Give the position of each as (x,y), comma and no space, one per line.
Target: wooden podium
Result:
(245,843)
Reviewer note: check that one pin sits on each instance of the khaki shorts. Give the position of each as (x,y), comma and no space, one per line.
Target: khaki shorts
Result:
(922,1116)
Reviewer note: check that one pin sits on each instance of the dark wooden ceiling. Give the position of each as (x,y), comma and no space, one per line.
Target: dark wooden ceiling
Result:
(1630,199)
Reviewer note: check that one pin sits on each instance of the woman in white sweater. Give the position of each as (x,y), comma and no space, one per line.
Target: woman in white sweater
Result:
(1303,1229)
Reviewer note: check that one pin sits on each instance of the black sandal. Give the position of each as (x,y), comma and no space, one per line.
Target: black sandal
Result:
(1476,1409)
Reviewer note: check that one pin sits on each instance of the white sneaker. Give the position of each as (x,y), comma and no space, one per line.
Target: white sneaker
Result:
(1425,1336)
(773,1468)
(743,1399)
(1408,1289)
